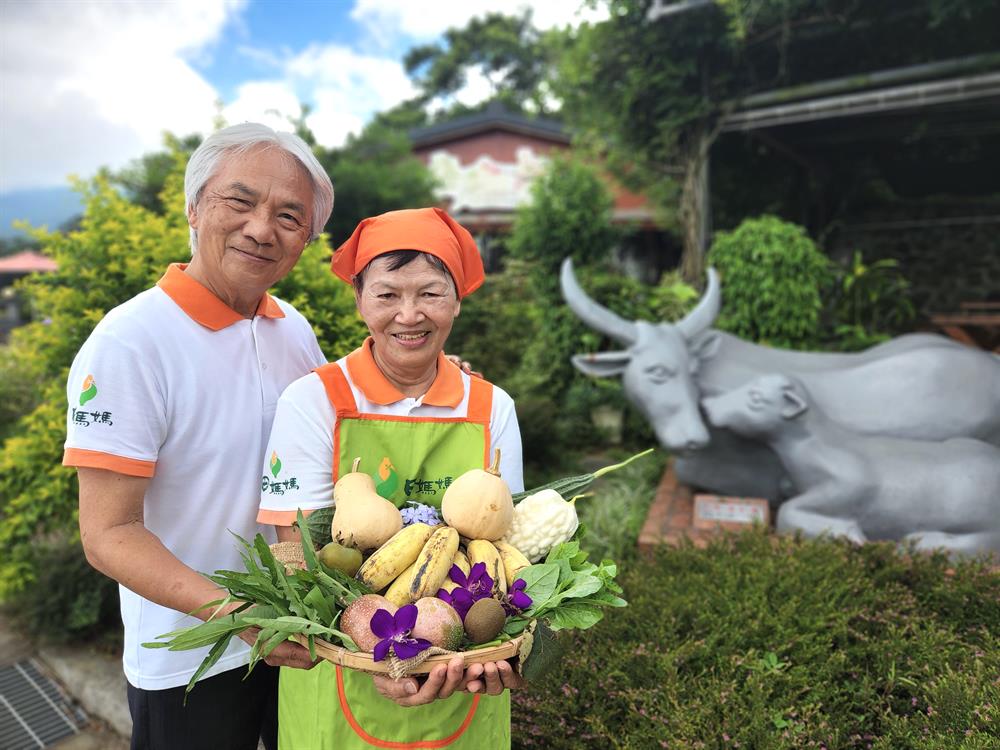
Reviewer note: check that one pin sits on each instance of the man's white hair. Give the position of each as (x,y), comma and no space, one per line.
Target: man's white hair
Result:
(238,139)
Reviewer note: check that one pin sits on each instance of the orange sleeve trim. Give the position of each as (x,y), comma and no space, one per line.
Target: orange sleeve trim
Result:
(480,401)
(358,730)
(133,467)
(281,517)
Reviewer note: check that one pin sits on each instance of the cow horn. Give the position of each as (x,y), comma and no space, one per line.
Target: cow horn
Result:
(599,318)
(704,314)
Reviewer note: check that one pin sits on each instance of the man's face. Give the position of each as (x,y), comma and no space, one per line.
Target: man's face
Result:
(253,220)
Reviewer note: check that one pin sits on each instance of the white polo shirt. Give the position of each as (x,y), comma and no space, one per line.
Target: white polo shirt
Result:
(176,386)
(302,435)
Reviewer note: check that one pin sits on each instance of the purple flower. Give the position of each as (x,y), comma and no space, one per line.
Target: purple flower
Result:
(516,601)
(394,630)
(477,585)
(458,598)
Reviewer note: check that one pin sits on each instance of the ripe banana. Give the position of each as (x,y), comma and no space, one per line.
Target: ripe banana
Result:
(434,562)
(399,591)
(483,551)
(512,559)
(462,561)
(393,557)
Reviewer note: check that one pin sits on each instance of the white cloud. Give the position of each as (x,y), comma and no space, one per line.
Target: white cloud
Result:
(344,87)
(390,22)
(91,84)
(269,102)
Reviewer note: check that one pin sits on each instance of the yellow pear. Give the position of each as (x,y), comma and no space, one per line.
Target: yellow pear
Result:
(362,518)
(479,504)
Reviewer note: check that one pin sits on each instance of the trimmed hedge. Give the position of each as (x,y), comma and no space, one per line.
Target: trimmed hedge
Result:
(776,642)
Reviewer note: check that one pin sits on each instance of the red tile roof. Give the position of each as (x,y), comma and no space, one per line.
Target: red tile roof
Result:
(27,262)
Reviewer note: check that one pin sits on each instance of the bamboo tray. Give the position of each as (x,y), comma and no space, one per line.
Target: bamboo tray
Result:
(365,662)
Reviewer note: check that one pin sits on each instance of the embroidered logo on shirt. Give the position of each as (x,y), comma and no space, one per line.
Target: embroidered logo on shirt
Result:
(89,390)
(277,486)
(388,481)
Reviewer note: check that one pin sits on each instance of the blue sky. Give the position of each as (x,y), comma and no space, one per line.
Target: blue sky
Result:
(92,83)
(269,26)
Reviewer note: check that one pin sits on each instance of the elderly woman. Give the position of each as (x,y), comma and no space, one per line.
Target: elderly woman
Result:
(398,402)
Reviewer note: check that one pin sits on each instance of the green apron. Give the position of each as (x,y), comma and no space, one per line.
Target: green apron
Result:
(410,458)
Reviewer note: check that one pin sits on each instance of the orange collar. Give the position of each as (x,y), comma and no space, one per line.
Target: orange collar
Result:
(446,390)
(202,306)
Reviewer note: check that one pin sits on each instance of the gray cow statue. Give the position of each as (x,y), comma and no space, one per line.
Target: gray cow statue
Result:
(937,494)
(918,386)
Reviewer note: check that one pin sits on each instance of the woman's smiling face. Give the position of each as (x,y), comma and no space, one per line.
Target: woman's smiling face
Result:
(409,312)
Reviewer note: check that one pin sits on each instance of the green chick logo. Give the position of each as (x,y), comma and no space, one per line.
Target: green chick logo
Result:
(388,480)
(89,390)
(275,464)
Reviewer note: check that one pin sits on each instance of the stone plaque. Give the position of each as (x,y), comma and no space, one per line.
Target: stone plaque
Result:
(732,513)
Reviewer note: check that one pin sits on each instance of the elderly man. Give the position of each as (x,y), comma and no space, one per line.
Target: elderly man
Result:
(186,376)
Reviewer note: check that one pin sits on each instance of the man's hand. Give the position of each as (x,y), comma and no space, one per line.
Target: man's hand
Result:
(492,677)
(442,682)
(287,654)
(462,365)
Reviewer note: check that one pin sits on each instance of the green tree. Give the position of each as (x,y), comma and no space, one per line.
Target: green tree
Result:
(507,50)
(569,216)
(374,172)
(144,178)
(650,92)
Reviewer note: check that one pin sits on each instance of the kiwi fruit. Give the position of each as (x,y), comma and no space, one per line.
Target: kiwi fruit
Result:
(484,620)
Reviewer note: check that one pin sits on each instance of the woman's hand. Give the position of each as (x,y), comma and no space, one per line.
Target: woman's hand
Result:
(492,677)
(442,682)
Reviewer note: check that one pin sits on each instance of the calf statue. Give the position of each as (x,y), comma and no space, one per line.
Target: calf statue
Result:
(917,386)
(937,494)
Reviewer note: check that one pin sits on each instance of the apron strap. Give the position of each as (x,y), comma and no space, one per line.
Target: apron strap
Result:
(338,390)
(480,401)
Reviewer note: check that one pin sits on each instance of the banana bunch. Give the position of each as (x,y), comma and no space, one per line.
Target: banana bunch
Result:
(416,561)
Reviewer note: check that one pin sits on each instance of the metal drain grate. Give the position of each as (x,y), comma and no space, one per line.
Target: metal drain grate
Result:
(33,711)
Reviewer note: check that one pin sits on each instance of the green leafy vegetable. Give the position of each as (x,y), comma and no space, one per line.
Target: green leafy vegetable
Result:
(567,591)
(281,604)
(569,486)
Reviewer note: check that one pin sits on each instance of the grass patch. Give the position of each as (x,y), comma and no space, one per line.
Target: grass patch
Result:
(776,642)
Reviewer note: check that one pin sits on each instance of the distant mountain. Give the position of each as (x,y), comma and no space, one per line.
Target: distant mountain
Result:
(50,207)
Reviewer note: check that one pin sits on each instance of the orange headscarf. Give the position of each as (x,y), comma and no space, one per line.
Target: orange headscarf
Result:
(429,230)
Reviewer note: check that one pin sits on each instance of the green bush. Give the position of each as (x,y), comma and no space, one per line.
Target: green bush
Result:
(771,642)
(69,601)
(773,282)
(569,215)
(870,304)
(19,391)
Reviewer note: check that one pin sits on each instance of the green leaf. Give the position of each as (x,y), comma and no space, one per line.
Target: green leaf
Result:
(316,599)
(574,616)
(541,582)
(583,585)
(546,651)
(209,661)
(308,551)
